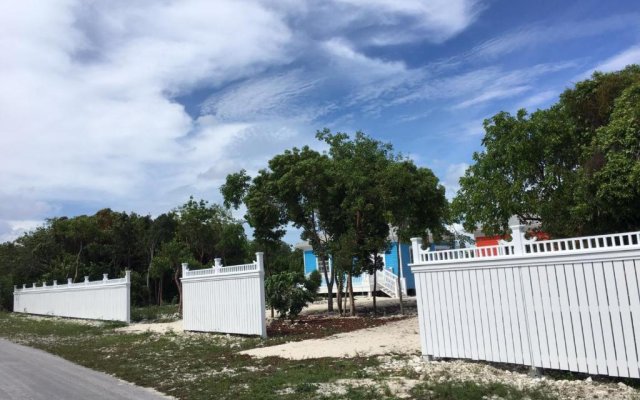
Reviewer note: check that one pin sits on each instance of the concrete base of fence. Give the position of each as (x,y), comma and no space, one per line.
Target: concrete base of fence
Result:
(535,372)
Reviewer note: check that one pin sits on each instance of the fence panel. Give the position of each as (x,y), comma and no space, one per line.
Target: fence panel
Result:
(107,299)
(569,304)
(225,299)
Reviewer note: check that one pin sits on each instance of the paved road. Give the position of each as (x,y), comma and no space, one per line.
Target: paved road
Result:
(31,374)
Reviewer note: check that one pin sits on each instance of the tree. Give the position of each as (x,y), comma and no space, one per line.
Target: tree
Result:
(416,203)
(170,259)
(612,179)
(539,167)
(290,292)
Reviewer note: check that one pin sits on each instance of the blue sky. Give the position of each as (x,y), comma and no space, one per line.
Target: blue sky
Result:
(136,106)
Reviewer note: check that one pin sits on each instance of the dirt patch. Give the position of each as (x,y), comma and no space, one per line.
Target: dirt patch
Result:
(398,337)
(316,326)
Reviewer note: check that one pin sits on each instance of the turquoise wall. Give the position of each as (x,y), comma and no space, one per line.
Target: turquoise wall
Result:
(390,259)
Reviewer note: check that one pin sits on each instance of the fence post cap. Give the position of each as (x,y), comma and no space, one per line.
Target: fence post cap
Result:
(260,260)
(44,284)
(185,268)
(86,279)
(105,277)
(69,281)
(127,275)
(24,285)
(55,282)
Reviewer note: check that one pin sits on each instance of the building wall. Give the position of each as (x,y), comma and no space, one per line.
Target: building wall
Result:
(390,260)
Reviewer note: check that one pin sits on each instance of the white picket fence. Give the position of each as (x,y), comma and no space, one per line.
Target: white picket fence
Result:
(569,304)
(225,299)
(106,299)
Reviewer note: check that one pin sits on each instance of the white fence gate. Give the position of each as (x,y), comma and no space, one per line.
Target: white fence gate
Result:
(568,304)
(107,299)
(225,299)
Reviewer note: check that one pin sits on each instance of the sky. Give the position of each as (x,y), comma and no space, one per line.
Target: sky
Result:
(135,106)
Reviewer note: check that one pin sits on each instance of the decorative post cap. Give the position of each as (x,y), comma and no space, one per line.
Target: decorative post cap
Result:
(416,246)
(105,277)
(24,285)
(185,268)
(55,282)
(86,279)
(69,281)
(217,263)
(127,275)
(517,238)
(260,260)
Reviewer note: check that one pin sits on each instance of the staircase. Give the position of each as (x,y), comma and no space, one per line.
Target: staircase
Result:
(387,283)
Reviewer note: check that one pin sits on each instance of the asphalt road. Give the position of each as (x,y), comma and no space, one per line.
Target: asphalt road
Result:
(31,374)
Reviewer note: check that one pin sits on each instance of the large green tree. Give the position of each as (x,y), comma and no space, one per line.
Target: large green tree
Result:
(565,166)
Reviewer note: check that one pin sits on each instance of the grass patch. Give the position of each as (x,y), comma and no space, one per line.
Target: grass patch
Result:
(474,391)
(196,366)
(164,313)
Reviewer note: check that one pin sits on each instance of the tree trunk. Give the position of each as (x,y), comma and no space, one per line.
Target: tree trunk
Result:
(75,276)
(353,304)
(375,288)
(339,287)
(329,283)
(176,279)
(399,249)
(160,285)
(345,297)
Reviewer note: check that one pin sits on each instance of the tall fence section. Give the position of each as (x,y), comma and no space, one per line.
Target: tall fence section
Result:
(106,299)
(225,299)
(569,304)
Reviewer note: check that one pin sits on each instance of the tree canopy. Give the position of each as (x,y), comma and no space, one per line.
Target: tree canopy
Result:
(573,167)
(343,200)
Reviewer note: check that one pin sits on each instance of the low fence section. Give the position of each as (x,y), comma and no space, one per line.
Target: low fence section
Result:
(106,299)
(570,304)
(225,299)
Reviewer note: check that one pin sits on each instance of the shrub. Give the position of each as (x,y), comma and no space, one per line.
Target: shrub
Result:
(289,292)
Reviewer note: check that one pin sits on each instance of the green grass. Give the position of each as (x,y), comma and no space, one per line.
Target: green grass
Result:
(197,366)
(164,313)
(207,366)
(474,391)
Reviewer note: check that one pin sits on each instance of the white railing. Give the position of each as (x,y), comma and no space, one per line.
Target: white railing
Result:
(520,246)
(105,299)
(569,304)
(387,281)
(218,269)
(225,299)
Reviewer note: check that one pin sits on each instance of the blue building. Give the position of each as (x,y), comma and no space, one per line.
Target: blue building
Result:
(387,279)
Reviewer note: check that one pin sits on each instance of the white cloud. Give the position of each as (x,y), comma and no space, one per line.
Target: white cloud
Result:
(452,177)
(620,60)
(87,107)
(11,230)
(551,34)
(434,20)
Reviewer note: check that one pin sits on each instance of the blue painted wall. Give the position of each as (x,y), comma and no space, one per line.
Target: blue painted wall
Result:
(390,259)
(309,261)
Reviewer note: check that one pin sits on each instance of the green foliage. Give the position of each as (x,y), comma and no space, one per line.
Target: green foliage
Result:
(111,242)
(470,390)
(289,292)
(343,200)
(573,167)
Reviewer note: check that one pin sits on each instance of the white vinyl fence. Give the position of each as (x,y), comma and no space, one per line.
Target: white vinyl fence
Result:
(225,299)
(568,304)
(106,299)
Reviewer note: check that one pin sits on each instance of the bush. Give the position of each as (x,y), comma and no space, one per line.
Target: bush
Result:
(289,292)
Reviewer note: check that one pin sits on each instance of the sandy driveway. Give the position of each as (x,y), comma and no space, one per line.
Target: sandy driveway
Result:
(395,337)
